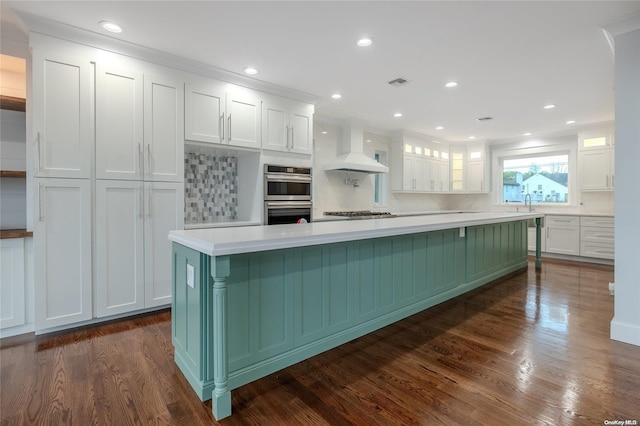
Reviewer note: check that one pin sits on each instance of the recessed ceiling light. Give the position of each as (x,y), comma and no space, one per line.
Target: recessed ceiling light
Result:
(324,132)
(527,134)
(112,27)
(250,70)
(549,106)
(365,42)
(336,96)
(397,114)
(439,128)
(571,122)
(451,84)
(472,137)
(368,140)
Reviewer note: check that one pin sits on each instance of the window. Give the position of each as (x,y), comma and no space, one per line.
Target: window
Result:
(380,180)
(543,177)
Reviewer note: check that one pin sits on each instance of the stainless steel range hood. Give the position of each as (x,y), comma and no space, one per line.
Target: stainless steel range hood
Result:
(352,157)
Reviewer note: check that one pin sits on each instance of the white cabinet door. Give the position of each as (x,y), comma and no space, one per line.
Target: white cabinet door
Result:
(12,284)
(163,129)
(243,120)
(164,203)
(62,116)
(275,126)
(301,131)
(421,174)
(62,252)
(433,171)
(444,176)
(562,234)
(204,113)
(475,181)
(119,247)
(408,181)
(595,172)
(119,121)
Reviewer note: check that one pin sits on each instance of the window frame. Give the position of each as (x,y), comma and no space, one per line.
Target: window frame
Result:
(566,145)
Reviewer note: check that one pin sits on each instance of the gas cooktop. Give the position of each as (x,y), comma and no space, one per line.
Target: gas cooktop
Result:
(361,214)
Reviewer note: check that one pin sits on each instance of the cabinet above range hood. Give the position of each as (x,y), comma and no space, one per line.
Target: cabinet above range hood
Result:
(352,157)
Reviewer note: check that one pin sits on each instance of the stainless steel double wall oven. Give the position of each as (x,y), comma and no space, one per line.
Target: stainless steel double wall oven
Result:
(287,194)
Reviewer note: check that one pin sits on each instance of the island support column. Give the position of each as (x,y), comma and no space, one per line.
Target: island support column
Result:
(538,243)
(221,396)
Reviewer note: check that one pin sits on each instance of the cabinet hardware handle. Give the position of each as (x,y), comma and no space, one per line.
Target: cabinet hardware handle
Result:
(221,130)
(141,200)
(150,197)
(229,137)
(140,159)
(547,232)
(148,171)
(292,137)
(40,203)
(39,152)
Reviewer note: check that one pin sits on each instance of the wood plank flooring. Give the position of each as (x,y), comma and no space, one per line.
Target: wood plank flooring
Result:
(533,349)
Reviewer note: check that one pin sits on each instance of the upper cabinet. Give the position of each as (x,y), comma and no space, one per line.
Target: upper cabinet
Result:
(138,126)
(425,165)
(287,126)
(596,160)
(222,114)
(62,116)
(469,168)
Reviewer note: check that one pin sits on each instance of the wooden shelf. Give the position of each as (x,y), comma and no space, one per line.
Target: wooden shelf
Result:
(13,104)
(14,233)
(13,173)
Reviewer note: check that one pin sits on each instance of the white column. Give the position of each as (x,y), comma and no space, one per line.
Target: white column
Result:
(625,325)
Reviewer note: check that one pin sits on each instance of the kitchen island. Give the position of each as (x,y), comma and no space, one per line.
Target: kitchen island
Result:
(250,301)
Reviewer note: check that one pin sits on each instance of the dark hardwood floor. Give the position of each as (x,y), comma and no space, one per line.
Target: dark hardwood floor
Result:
(533,349)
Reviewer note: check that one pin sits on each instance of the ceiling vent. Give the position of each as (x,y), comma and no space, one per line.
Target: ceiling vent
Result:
(484,118)
(399,82)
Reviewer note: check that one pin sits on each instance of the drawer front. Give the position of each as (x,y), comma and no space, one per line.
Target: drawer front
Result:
(602,222)
(592,234)
(597,250)
(562,221)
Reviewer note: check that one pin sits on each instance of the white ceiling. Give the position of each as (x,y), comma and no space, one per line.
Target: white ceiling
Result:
(510,58)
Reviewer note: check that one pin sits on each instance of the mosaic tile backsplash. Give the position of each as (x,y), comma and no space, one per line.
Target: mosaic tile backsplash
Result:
(210,188)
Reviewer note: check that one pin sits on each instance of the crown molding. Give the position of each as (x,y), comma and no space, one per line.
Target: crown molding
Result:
(39,25)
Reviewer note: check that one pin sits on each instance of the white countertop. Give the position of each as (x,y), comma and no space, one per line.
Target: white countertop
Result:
(225,241)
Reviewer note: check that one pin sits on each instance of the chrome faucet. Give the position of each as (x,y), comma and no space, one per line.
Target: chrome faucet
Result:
(527,197)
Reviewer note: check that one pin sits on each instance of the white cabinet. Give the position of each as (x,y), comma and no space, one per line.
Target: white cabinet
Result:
(12,283)
(476,176)
(531,241)
(438,175)
(287,127)
(164,213)
(414,174)
(119,247)
(219,116)
(562,234)
(469,169)
(62,116)
(119,124)
(597,237)
(425,165)
(138,126)
(596,169)
(62,252)
(133,265)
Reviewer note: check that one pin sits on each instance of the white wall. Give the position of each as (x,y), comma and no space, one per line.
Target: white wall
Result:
(625,325)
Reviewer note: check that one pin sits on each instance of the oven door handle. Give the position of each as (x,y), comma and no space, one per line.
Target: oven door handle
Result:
(288,204)
(288,178)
